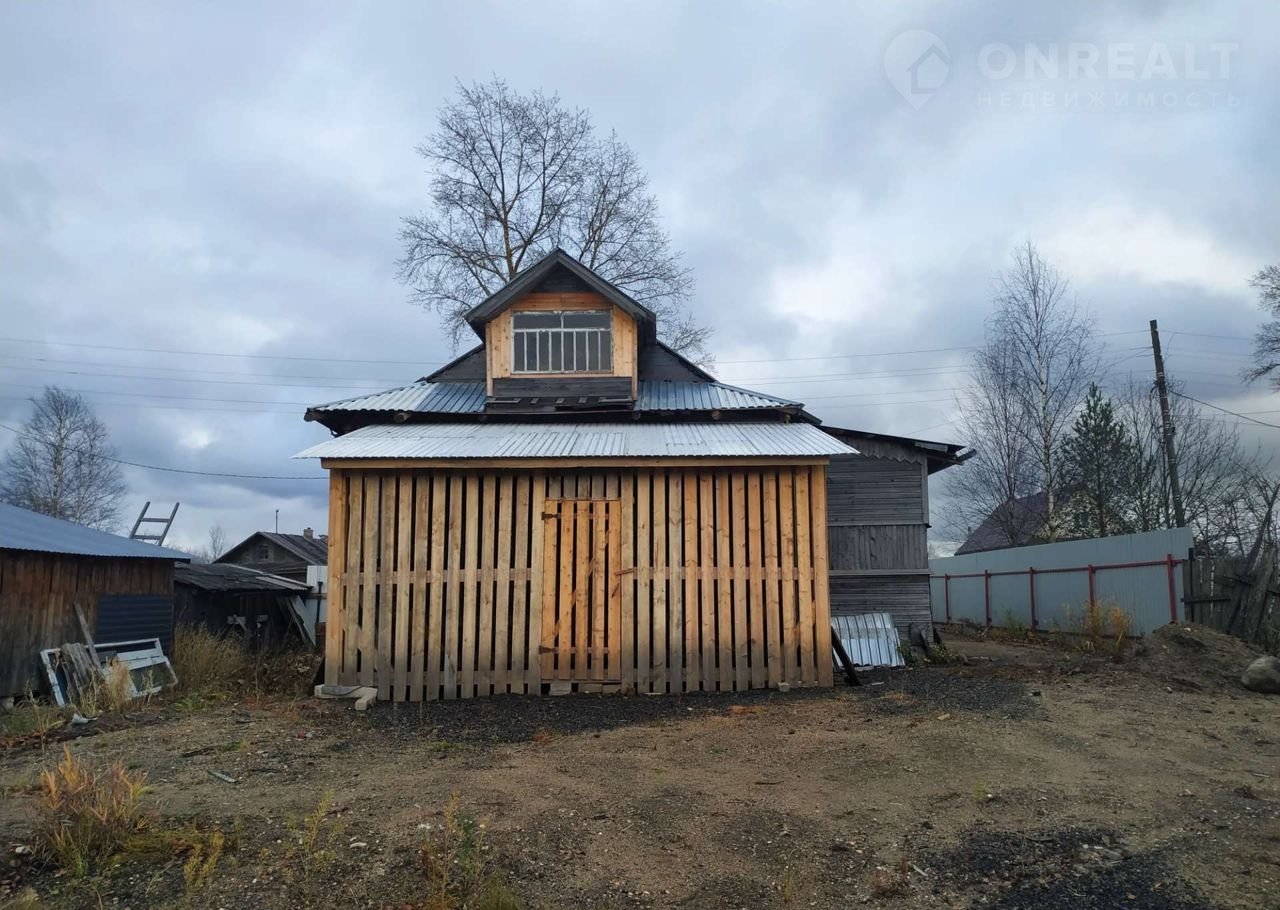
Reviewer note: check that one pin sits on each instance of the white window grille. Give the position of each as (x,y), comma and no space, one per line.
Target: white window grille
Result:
(572,341)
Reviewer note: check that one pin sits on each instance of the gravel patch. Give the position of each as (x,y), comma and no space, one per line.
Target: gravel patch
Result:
(915,691)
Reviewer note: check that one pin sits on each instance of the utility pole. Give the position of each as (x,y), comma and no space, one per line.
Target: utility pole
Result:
(1170,454)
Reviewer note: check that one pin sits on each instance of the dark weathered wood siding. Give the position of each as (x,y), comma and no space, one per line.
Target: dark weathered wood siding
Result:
(38,592)
(877,523)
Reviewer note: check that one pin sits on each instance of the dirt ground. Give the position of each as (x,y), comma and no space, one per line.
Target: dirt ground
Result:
(1022,777)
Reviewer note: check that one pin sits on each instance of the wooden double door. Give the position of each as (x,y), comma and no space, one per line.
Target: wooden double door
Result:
(582,581)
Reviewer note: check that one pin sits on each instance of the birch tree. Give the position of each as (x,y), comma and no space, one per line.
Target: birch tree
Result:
(62,464)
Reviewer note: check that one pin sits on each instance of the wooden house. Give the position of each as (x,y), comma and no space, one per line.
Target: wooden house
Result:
(286,555)
(572,506)
(49,567)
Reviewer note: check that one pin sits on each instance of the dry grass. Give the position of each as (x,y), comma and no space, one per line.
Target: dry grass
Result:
(206,663)
(84,815)
(1100,626)
(456,862)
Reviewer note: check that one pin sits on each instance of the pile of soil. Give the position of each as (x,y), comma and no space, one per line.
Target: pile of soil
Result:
(1195,658)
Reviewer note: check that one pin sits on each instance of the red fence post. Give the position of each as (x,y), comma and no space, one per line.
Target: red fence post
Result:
(1031,573)
(946,594)
(986,594)
(1173,591)
(1091,571)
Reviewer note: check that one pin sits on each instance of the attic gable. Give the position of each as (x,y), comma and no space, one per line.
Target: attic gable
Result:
(558,272)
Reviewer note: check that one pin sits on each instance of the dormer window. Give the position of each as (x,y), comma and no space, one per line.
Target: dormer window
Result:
(569,341)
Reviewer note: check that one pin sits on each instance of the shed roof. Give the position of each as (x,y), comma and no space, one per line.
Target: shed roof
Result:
(582,440)
(22,529)
(469,398)
(234,579)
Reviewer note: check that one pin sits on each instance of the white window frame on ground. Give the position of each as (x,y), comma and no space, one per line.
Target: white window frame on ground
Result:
(561,341)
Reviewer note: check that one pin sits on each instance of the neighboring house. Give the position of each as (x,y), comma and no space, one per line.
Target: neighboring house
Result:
(572,505)
(286,555)
(1016,523)
(49,567)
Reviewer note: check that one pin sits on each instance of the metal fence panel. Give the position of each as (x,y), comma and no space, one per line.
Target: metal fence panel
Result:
(1049,585)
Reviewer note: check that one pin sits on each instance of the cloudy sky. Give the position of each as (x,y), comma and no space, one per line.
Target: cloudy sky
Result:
(199,203)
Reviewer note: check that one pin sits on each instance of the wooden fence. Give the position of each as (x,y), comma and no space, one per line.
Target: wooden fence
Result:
(1230,595)
(447,584)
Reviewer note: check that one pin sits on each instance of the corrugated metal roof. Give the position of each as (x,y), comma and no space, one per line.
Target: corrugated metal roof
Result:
(870,639)
(226,577)
(22,529)
(581,440)
(469,398)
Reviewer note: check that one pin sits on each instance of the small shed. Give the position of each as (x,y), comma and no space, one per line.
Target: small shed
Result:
(257,606)
(49,566)
(878,525)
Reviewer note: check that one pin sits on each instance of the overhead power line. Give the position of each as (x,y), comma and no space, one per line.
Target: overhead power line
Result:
(1215,407)
(167,470)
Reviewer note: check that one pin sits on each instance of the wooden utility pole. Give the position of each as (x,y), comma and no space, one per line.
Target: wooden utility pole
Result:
(1170,453)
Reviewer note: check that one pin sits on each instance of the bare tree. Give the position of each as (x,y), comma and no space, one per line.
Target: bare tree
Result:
(1030,377)
(215,546)
(63,464)
(514,176)
(1266,344)
(1054,362)
(1001,471)
(1225,485)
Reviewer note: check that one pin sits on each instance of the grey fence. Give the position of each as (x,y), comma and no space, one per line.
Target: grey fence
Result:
(1049,586)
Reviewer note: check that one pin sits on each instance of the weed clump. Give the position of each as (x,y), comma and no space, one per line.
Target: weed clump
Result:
(206,663)
(84,815)
(457,863)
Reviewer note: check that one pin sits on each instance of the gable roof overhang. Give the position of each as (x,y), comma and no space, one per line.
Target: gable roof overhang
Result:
(939,455)
(528,280)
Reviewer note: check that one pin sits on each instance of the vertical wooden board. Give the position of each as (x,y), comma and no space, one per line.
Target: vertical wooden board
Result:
(470,582)
(786,523)
(334,583)
(486,573)
(773,655)
(583,556)
(821,590)
(706,564)
(756,583)
(563,626)
(538,576)
(804,557)
(730,577)
(435,609)
(658,679)
(692,620)
(517,681)
(506,509)
(369,577)
(403,577)
(351,583)
(644,584)
(627,577)
(418,606)
(675,583)
(614,594)
(600,584)
(386,605)
(451,672)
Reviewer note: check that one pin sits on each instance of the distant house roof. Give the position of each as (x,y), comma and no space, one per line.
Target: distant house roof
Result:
(22,529)
(582,440)
(1015,523)
(311,550)
(235,579)
(456,398)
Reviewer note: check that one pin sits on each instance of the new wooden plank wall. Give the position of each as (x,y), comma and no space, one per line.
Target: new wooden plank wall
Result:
(37,596)
(448,583)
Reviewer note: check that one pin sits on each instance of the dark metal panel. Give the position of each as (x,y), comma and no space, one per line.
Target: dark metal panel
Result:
(126,617)
(563,387)
(467,368)
(659,363)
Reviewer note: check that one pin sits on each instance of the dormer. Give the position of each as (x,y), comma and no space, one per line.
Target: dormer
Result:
(559,333)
